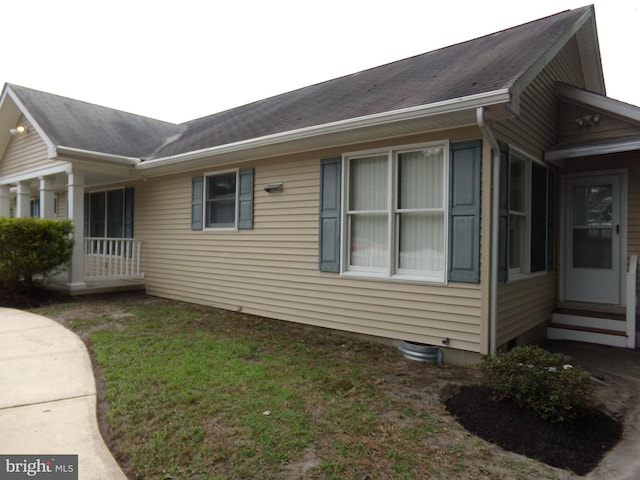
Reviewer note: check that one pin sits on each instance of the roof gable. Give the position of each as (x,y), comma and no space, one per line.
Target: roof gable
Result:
(84,126)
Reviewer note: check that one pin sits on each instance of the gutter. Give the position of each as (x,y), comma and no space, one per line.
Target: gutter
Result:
(495,228)
(90,155)
(464,103)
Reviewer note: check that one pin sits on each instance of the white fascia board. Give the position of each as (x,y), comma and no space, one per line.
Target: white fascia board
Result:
(464,103)
(622,145)
(70,153)
(44,172)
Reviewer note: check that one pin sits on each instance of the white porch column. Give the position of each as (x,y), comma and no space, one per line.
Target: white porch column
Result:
(5,201)
(75,192)
(47,198)
(23,204)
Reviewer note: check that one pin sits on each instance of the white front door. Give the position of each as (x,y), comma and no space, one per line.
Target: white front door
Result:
(593,245)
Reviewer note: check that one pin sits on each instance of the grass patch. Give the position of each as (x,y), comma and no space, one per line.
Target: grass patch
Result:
(198,393)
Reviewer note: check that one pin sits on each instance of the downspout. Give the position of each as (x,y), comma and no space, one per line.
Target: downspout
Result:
(495,228)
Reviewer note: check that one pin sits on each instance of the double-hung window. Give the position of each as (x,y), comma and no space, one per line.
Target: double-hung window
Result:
(395,217)
(220,200)
(528,215)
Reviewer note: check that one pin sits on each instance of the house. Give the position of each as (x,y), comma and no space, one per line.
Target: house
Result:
(473,198)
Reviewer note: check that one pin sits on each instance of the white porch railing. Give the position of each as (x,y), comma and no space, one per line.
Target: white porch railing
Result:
(632,276)
(112,258)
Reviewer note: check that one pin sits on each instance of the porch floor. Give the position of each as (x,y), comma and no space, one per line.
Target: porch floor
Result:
(112,285)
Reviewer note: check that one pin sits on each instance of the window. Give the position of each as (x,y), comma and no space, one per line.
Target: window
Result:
(220,195)
(528,215)
(109,214)
(222,201)
(395,219)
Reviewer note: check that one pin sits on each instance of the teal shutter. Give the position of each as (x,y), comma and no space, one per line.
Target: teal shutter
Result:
(330,175)
(197,184)
(503,219)
(245,199)
(128,212)
(464,211)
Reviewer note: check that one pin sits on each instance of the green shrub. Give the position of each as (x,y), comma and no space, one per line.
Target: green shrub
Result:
(32,248)
(541,381)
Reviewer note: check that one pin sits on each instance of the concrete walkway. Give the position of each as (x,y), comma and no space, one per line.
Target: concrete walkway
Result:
(48,395)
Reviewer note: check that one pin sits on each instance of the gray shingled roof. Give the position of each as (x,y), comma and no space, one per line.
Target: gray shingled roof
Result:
(76,124)
(486,64)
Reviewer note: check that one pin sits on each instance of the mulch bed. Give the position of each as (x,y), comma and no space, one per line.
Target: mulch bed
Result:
(578,446)
(18,297)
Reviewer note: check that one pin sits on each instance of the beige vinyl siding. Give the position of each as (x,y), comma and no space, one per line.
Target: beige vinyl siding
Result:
(524,304)
(25,153)
(63,205)
(272,270)
(536,128)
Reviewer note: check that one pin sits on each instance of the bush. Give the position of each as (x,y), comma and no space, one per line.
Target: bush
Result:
(33,247)
(541,381)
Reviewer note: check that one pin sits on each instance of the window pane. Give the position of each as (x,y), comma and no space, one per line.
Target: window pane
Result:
(592,248)
(516,239)
(96,214)
(538,218)
(368,183)
(420,181)
(516,185)
(369,246)
(593,205)
(115,213)
(421,242)
(221,200)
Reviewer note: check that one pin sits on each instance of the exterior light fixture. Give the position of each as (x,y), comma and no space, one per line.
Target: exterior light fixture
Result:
(274,187)
(588,120)
(19,130)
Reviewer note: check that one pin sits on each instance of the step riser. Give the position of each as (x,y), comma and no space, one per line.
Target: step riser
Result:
(589,322)
(588,337)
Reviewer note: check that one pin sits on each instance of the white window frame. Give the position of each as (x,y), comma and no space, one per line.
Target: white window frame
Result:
(392,270)
(205,205)
(524,271)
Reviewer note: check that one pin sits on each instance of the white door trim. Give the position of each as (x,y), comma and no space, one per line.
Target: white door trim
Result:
(562,226)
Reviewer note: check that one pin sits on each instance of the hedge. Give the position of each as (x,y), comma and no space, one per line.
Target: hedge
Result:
(33,248)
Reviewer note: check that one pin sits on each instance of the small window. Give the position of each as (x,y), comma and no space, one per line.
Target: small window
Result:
(221,200)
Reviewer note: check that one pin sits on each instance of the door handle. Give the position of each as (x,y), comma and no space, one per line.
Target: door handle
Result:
(618,229)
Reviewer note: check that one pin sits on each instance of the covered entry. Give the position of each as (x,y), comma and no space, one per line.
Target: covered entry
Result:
(599,162)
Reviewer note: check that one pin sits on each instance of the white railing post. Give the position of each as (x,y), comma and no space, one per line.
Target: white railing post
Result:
(632,301)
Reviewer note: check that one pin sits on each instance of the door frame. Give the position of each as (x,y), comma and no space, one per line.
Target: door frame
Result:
(564,241)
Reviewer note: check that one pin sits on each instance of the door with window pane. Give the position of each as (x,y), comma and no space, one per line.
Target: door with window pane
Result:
(593,246)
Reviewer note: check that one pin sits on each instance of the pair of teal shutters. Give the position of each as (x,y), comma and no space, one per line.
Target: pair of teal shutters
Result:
(465,161)
(244,200)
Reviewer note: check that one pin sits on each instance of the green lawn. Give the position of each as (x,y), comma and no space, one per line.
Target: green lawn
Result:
(199,393)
